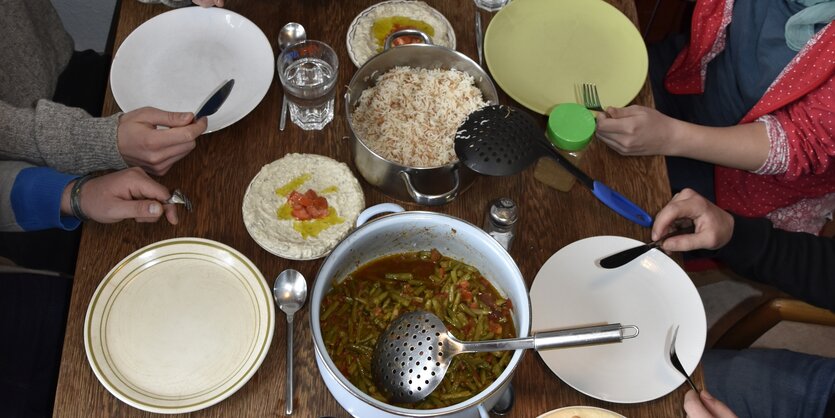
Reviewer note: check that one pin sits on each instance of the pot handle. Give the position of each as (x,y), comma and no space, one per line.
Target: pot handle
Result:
(375,210)
(431,200)
(406,32)
(482,412)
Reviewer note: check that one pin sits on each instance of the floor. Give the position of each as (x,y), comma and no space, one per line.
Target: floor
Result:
(725,296)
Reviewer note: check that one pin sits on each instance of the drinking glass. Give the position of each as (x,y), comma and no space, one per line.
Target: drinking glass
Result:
(491,5)
(308,72)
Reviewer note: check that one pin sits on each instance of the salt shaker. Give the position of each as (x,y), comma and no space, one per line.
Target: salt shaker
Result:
(500,221)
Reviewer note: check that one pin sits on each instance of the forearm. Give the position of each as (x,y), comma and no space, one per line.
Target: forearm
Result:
(744,147)
(64,138)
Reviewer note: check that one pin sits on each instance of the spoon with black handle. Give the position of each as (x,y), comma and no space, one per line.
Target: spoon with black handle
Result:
(683,226)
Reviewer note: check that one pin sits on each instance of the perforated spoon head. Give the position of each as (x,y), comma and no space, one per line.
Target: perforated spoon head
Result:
(499,140)
(411,357)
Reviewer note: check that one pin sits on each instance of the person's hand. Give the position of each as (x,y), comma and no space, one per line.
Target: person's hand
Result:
(714,226)
(208,3)
(125,194)
(156,150)
(636,130)
(704,405)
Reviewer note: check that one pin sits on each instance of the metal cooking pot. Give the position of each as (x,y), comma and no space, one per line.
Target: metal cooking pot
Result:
(407,232)
(423,185)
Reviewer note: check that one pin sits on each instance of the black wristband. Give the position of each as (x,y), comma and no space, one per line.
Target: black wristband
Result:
(75,200)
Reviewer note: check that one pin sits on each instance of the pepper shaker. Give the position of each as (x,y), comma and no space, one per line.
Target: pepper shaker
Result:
(500,221)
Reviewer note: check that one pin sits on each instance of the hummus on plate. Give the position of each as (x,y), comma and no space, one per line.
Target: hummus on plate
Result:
(269,219)
(369,30)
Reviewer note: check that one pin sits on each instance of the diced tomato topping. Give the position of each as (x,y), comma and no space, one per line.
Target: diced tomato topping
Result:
(308,205)
(495,328)
(466,294)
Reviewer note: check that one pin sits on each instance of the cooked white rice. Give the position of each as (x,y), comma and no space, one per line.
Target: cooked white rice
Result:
(410,116)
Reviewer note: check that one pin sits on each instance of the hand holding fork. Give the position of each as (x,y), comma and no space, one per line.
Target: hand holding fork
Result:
(587,93)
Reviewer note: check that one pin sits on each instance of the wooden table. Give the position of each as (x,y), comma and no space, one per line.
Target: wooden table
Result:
(217,172)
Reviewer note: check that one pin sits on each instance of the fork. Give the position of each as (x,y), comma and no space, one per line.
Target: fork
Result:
(587,93)
(676,363)
(177,197)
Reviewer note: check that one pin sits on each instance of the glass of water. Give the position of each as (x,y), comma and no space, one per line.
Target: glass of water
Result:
(491,5)
(308,72)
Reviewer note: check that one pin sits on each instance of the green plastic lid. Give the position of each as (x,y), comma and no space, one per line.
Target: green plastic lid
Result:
(570,126)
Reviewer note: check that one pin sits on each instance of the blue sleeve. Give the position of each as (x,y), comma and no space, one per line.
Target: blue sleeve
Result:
(36,199)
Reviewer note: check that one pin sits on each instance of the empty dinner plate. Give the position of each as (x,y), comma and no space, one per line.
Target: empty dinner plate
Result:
(652,292)
(174,60)
(537,50)
(179,325)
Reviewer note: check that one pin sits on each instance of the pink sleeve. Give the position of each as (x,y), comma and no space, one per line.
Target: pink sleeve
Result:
(809,128)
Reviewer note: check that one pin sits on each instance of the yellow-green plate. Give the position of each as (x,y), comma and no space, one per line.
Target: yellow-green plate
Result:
(537,50)
(179,325)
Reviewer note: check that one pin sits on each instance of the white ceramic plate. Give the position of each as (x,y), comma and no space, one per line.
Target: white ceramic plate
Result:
(329,178)
(174,60)
(580,412)
(651,292)
(179,325)
(360,29)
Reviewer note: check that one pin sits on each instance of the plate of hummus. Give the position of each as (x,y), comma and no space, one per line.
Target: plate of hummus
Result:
(580,412)
(301,205)
(369,30)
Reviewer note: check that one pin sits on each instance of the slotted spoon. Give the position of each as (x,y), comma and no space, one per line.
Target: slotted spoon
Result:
(414,352)
(501,140)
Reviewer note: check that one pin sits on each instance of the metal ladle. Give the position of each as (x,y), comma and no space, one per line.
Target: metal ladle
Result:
(290,293)
(414,352)
(291,33)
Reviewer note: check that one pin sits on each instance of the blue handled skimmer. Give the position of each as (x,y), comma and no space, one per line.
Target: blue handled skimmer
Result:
(501,140)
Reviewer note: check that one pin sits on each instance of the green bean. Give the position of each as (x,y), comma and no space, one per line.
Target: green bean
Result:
(456,395)
(327,313)
(480,312)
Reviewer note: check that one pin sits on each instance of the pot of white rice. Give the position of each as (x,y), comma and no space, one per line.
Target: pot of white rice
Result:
(403,107)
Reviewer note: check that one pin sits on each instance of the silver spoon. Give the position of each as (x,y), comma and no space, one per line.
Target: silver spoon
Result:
(414,352)
(291,33)
(290,293)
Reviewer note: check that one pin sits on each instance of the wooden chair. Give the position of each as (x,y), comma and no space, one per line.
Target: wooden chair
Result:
(755,311)
(756,323)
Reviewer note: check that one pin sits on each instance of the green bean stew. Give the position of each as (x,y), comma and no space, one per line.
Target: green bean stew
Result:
(357,310)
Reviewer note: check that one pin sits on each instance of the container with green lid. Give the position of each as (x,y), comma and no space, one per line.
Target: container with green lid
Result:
(570,128)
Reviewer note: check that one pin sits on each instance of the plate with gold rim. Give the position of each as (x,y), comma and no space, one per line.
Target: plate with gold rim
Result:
(179,325)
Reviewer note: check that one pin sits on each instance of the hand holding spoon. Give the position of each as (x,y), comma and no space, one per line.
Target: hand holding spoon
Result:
(290,293)
(621,258)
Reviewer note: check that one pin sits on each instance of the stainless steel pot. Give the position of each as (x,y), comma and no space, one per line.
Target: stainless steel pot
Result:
(423,185)
(406,232)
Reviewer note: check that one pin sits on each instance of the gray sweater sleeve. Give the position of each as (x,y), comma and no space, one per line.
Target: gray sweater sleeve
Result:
(65,138)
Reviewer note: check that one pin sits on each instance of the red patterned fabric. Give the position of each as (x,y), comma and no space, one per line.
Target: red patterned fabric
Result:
(802,99)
